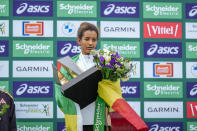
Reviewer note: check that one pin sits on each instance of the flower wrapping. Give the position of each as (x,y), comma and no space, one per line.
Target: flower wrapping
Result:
(113,67)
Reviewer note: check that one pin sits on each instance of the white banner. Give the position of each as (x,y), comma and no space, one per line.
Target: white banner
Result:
(163,109)
(34,109)
(32,69)
(120,29)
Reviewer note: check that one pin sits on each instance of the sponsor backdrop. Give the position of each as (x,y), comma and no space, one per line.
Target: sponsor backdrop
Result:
(160,36)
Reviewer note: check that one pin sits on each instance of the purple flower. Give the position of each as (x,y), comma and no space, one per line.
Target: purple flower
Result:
(102,59)
(110,66)
(101,64)
(95,56)
(118,64)
(117,55)
(113,61)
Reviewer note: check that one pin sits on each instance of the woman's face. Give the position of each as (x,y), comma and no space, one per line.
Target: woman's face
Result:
(88,41)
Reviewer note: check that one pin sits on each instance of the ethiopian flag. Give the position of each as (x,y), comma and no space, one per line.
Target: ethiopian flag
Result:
(110,92)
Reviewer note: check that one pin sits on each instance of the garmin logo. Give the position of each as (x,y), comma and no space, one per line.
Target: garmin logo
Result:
(69,48)
(163,109)
(166,89)
(32,69)
(156,127)
(119,9)
(119,29)
(77,9)
(32,89)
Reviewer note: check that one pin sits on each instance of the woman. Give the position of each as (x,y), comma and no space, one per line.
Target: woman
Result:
(87,37)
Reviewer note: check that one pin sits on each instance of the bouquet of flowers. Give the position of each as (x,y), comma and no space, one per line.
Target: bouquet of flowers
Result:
(112,65)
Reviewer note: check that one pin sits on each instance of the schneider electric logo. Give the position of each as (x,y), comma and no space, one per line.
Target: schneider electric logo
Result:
(34,126)
(120,9)
(4,7)
(124,48)
(163,90)
(33,89)
(33,48)
(162,49)
(162,10)
(191,50)
(76,8)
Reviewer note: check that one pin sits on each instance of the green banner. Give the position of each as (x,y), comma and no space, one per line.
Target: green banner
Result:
(130,49)
(33,48)
(162,10)
(34,126)
(4,7)
(192,126)
(163,90)
(191,50)
(76,9)
(4,85)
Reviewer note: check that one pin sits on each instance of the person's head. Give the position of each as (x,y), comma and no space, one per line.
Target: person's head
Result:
(87,37)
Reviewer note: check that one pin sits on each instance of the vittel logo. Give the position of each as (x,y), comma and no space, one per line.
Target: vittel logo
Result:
(69,48)
(156,127)
(32,8)
(154,48)
(119,9)
(162,30)
(32,89)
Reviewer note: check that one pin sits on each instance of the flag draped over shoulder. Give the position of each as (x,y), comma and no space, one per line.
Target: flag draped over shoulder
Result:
(110,92)
(71,110)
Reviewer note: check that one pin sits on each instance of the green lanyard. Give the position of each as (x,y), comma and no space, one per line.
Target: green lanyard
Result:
(99,115)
